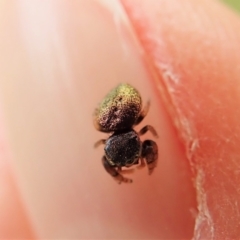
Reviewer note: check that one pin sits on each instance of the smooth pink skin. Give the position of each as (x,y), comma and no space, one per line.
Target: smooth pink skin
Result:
(14,222)
(58,60)
(66,57)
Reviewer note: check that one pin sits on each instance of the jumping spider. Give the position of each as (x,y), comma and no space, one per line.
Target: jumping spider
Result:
(118,113)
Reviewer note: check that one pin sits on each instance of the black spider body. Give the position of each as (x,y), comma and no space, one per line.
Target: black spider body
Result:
(118,113)
(123,149)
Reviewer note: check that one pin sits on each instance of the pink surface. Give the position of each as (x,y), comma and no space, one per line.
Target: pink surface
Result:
(58,60)
(198,71)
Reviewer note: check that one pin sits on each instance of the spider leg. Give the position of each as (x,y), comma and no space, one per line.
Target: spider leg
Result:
(125,171)
(142,163)
(143,113)
(114,172)
(150,153)
(99,142)
(148,128)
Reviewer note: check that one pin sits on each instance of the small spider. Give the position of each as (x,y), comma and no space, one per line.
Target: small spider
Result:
(118,113)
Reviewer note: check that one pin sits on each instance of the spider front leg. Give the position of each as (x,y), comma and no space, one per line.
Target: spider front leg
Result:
(114,172)
(142,163)
(150,153)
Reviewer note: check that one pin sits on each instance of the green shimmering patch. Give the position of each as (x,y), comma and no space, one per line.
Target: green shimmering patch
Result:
(119,109)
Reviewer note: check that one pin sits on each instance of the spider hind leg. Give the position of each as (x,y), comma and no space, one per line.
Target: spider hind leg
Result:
(143,113)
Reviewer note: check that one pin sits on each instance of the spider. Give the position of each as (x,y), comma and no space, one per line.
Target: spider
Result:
(117,114)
